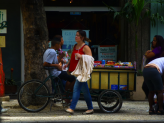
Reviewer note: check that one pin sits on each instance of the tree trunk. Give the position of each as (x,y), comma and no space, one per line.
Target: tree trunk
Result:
(131,43)
(35,38)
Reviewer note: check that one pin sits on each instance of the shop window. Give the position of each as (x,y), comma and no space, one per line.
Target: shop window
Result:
(95,3)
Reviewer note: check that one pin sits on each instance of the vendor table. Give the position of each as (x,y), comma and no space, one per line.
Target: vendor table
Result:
(120,79)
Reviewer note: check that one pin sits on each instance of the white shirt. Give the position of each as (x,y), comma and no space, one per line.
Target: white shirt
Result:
(160,63)
(84,68)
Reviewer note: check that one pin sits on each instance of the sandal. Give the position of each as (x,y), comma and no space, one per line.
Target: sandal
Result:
(88,112)
(160,112)
(152,112)
(69,111)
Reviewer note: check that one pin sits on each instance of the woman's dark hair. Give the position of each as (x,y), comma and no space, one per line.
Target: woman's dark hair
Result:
(83,34)
(160,43)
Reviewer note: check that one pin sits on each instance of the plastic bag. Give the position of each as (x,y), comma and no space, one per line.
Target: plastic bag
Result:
(143,62)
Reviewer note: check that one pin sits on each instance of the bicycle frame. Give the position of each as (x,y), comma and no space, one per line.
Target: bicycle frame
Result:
(54,85)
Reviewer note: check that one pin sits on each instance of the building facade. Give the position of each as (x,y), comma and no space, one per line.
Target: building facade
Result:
(93,16)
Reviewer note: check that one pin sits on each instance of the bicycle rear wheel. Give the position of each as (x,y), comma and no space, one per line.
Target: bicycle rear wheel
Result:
(110,101)
(33,96)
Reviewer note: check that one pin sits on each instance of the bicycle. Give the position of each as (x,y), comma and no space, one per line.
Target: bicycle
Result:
(34,95)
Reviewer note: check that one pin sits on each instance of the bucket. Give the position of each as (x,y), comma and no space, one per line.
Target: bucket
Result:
(103,62)
(114,87)
(123,87)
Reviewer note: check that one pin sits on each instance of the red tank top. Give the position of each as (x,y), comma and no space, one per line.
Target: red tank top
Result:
(73,62)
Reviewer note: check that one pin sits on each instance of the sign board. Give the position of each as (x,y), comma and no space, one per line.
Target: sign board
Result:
(69,39)
(3,21)
(107,52)
(2,41)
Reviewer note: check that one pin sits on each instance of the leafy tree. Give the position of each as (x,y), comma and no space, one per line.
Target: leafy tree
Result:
(135,11)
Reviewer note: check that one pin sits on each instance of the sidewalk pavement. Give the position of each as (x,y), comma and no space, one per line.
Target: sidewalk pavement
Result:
(131,111)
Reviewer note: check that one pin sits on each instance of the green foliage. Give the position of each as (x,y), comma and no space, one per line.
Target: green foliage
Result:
(132,11)
(161,2)
(10,82)
(155,17)
(138,7)
(135,10)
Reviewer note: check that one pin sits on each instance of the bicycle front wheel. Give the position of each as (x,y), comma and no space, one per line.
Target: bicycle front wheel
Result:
(33,96)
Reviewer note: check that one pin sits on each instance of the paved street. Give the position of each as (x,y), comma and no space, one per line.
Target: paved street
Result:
(130,111)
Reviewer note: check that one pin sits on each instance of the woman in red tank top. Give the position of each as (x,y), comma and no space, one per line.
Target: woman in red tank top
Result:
(80,49)
(74,60)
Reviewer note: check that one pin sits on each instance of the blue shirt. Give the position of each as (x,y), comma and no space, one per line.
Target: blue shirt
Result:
(50,56)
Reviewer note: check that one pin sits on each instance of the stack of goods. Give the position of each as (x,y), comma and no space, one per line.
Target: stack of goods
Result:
(109,64)
(123,65)
(112,64)
(98,64)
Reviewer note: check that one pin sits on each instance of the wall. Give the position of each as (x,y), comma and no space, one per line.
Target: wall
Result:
(159,28)
(11,54)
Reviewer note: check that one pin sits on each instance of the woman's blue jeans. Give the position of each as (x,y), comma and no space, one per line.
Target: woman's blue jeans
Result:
(78,87)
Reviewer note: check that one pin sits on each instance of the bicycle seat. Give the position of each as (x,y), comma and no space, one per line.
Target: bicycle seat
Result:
(49,68)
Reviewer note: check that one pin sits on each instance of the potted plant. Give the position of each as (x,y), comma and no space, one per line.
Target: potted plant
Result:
(10,84)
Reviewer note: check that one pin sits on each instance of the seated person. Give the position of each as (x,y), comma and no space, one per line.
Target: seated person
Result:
(68,85)
(50,60)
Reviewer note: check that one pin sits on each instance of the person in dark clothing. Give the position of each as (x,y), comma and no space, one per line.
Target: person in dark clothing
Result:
(156,52)
(153,74)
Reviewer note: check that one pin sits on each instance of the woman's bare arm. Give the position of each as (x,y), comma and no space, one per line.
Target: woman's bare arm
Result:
(150,55)
(87,50)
